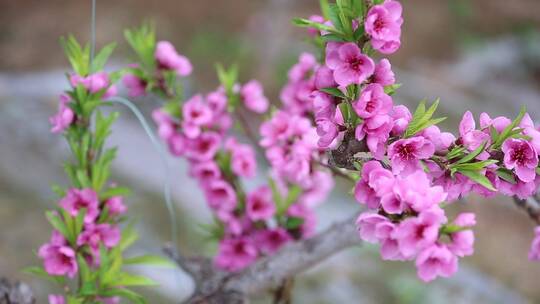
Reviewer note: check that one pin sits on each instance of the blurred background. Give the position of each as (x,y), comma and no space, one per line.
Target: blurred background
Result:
(482,55)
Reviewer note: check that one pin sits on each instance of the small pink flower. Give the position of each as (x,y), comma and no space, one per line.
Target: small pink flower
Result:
(405,154)
(271,240)
(327,131)
(58,258)
(321,184)
(95,83)
(472,138)
(277,129)
(383,25)
(363,191)
(372,101)
(205,171)
(369,227)
(436,260)
(416,233)
(64,117)
(168,59)
(318,19)
(534,252)
(166,127)
(94,235)
(243,161)
(419,195)
(350,66)
(463,241)
(260,205)
(383,74)
(56,299)
(77,199)
(401,116)
(220,195)
(305,65)
(441,140)
(324,78)
(204,147)
(116,205)
(521,156)
(235,254)
(196,112)
(135,85)
(377,129)
(253,97)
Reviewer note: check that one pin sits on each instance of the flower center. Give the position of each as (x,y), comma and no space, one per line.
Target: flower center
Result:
(406,152)
(379,24)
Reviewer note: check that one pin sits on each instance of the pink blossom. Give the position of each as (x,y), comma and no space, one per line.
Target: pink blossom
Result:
(56,299)
(463,241)
(416,233)
(64,117)
(235,254)
(204,147)
(77,199)
(220,195)
(196,112)
(259,204)
(94,235)
(168,59)
(322,183)
(350,66)
(521,156)
(377,129)
(370,227)
(401,116)
(178,144)
(299,71)
(534,252)
(271,240)
(278,128)
(383,74)
(383,25)
(166,127)
(363,191)
(520,189)
(372,101)
(499,123)
(243,161)
(472,138)
(405,154)
(116,205)
(205,171)
(441,140)
(436,260)
(95,83)
(324,78)
(327,131)
(253,97)
(58,258)
(419,195)
(135,85)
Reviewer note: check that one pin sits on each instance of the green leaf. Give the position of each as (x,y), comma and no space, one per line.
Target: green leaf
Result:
(474,166)
(325,9)
(506,175)
(127,279)
(391,89)
(301,22)
(101,58)
(38,271)
(124,293)
(508,131)
(154,260)
(276,195)
(294,223)
(334,92)
(58,224)
(451,228)
(456,152)
(73,300)
(478,178)
(114,191)
(473,154)
(538,170)
(129,236)
(422,118)
(292,196)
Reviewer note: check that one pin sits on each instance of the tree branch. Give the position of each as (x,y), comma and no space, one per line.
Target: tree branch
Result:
(214,286)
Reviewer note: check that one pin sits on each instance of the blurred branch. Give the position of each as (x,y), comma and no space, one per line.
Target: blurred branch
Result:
(531,205)
(214,286)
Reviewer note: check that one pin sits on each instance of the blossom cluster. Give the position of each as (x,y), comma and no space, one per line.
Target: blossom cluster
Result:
(412,169)
(251,223)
